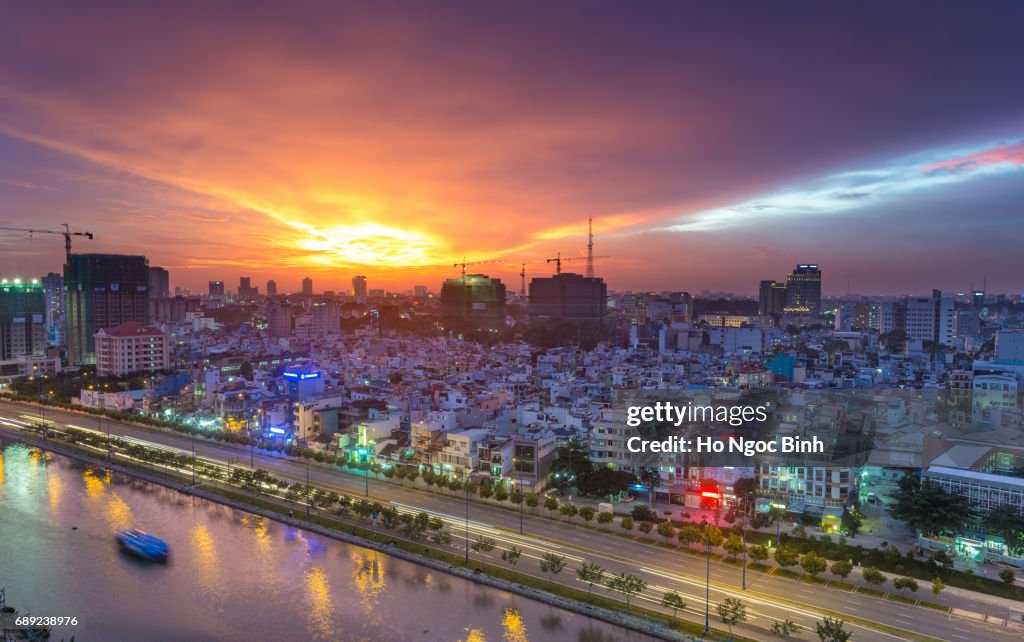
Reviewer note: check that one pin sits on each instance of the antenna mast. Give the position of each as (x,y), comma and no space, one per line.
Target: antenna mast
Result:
(590,247)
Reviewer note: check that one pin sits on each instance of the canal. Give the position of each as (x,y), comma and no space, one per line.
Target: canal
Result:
(232,576)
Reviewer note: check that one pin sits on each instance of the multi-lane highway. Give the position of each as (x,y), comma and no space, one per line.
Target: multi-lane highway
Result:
(768,598)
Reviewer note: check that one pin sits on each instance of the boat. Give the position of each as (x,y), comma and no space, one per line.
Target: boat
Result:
(142,544)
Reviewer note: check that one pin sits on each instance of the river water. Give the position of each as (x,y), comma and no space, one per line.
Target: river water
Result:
(232,576)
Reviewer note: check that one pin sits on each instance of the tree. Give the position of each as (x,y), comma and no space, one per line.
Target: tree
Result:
(733,545)
(501,493)
(441,537)
(852,521)
(688,535)
(587,513)
(645,527)
(1007,523)
(901,583)
(1007,575)
(626,523)
(629,585)
(532,500)
(512,555)
(483,544)
(674,601)
(745,490)
(842,568)
(604,517)
(758,553)
(732,611)
(486,491)
(551,504)
(937,585)
(666,530)
(928,508)
(572,463)
(605,481)
(389,517)
(831,630)
(569,510)
(590,574)
(873,576)
(712,534)
(785,628)
(552,563)
(813,564)
(786,556)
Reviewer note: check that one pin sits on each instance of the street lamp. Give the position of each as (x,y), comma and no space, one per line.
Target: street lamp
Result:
(707,584)
(743,534)
(466,485)
(521,499)
(363,454)
(307,488)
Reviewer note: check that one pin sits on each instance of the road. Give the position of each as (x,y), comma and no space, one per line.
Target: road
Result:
(768,598)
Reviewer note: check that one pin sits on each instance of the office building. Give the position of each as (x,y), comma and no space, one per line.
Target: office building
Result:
(216,289)
(159,283)
(174,309)
(103,291)
(53,284)
(568,296)
(803,290)
(476,297)
(420,291)
(771,298)
(279,319)
(271,287)
(307,286)
(22,319)
(359,286)
(931,319)
(246,292)
(325,318)
(129,348)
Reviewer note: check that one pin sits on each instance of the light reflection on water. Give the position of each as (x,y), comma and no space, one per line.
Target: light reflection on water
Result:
(232,576)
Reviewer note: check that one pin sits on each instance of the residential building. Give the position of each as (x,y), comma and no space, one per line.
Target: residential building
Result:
(129,348)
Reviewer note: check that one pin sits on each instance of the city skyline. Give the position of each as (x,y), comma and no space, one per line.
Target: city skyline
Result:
(391,143)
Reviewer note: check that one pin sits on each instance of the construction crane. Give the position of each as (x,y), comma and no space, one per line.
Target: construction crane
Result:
(558,260)
(464,263)
(66,233)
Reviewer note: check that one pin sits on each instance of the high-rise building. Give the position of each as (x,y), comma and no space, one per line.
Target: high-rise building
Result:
(325,318)
(419,291)
(103,291)
(159,283)
(174,309)
(22,319)
(931,319)
(307,286)
(53,284)
(568,296)
(771,298)
(476,297)
(803,290)
(978,298)
(271,287)
(359,286)
(246,292)
(216,289)
(279,319)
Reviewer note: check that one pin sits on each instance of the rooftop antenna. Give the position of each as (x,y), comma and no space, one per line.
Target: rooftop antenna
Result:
(590,247)
(522,281)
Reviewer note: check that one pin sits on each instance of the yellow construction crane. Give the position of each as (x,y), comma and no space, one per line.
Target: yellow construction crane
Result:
(66,233)
(464,263)
(558,260)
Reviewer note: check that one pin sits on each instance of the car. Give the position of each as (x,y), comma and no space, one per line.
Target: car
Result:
(872,498)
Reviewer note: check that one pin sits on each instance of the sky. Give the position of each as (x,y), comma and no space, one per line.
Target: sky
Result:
(714,144)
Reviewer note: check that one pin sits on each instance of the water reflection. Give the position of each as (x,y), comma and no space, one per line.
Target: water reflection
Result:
(512,622)
(321,608)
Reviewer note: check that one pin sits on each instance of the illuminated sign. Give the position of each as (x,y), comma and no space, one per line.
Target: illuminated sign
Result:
(710,494)
(301,376)
(277,431)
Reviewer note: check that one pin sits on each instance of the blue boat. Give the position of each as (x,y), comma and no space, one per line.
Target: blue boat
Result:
(142,544)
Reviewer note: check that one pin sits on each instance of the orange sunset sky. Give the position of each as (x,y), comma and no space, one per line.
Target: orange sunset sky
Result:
(713,149)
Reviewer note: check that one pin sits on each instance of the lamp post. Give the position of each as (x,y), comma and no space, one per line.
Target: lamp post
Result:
(466,485)
(707,582)
(307,487)
(193,458)
(363,454)
(743,534)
